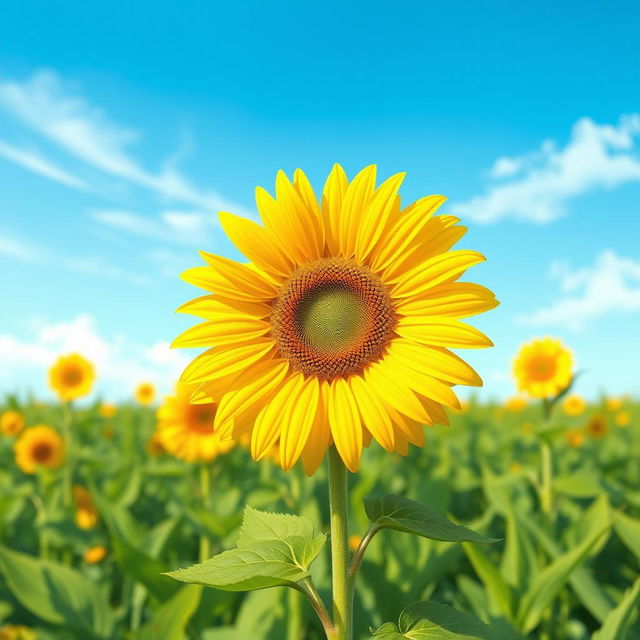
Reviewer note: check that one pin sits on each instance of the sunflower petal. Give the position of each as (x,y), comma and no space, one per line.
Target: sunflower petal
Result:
(344,421)
(455,300)
(358,194)
(295,431)
(217,332)
(320,435)
(332,198)
(375,417)
(240,280)
(441,332)
(213,306)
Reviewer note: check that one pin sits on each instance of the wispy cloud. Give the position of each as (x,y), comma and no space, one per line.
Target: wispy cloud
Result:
(43,103)
(34,162)
(538,186)
(610,285)
(173,227)
(16,249)
(120,363)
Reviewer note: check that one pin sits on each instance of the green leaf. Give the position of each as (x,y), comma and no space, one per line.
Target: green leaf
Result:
(262,558)
(258,566)
(547,584)
(402,514)
(590,593)
(433,621)
(519,560)
(617,622)
(169,620)
(499,590)
(56,593)
(628,530)
(258,526)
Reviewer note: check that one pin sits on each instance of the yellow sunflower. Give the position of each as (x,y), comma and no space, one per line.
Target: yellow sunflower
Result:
(185,430)
(574,405)
(597,427)
(17,632)
(11,423)
(145,393)
(543,367)
(623,419)
(574,438)
(339,327)
(108,410)
(94,555)
(39,446)
(515,404)
(86,516)
(71,377)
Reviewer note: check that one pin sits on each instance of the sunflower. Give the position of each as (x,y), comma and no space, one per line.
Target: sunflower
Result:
(39,446)
(94,555)
(17,632)
(623,419)
(597,427)
(613,403)
(574,438)
(86,513)
(339,328)
(543,368)
(515,404)
(71,377)
(11,423)
(145,393)
(108,410)
(185,430)
(574,405)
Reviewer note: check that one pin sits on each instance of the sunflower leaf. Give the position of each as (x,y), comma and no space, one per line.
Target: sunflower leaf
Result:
(402,514)
(272,550)
(431,621)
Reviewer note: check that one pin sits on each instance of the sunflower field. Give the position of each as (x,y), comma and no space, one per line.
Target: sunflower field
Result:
(313,474)
(85,541)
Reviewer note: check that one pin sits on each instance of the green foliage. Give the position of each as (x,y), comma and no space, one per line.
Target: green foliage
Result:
(433,621)
(402,514)
(272,550)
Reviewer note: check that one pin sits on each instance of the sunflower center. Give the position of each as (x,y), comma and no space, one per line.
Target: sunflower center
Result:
(41,452)
(72,376)
(201,418)
(332,318)
(542,368)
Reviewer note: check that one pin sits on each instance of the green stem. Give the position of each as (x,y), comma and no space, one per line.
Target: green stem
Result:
(341,583)
(205,487)
(67,476)
(546,491)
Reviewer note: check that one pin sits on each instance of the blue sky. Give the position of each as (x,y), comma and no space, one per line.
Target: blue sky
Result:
(125,127)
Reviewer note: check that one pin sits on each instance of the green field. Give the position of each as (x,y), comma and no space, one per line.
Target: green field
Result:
(568,570)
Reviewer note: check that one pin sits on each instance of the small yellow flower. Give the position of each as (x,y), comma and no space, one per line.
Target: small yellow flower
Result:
(514,404)
(515,467)
(543,367)
(86,513)
(574,438)
(39,446)
(527,428)
(597,427)
(574,405)
(613,403)
(11,423)
(145,393)
(354,541)
(108,410)
(17,632)
(94,555)
(623,418)
(154,445)
(185,430)
(71,377)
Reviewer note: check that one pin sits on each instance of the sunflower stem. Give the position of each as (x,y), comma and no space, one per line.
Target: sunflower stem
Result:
(342,585)
(205,486)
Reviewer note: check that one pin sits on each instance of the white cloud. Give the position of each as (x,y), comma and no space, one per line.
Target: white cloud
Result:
(17,249)
(37,164)
(44,104)
(120,364)
(610,285)
(174,227)
(537,186)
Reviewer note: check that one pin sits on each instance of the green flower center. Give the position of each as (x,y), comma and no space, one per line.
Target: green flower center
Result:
(330,318)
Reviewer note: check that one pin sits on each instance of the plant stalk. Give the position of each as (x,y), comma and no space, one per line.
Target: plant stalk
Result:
(205,489)
(341,582)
